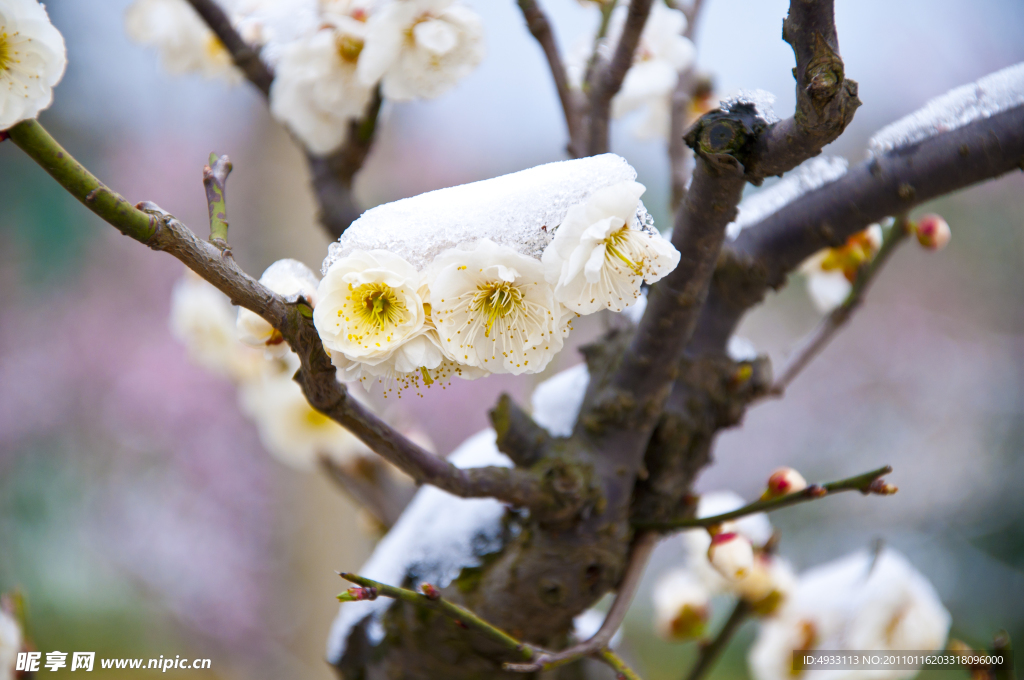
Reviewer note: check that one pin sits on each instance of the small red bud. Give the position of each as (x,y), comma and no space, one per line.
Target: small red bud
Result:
(430,591)
(784,481)
(933,232)
(817,491)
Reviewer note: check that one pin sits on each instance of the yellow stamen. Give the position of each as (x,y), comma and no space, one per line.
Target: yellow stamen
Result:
(427,380)
(613,247)
(349,48)
(496,300)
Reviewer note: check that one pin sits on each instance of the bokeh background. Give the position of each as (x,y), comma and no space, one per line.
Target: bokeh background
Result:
(139,514)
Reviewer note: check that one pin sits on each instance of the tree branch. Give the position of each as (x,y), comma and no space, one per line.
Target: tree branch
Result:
(370,484)
(245,56)
(710,652)
(867,483)
(539,26)
(431,599)
(825,99)
(215,179)
(607,79)
(832,323)
(160,231)
(643,546)
(765,253)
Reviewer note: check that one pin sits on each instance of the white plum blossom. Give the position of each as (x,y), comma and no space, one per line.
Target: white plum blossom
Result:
(290,429)
(862,601)
(494,310)
(420,48)
(681,606)
(755,528)
(368,304)
(10,644)
(203,319)
(186,44)
(32,60)
(316,91)
(768,583)
(830,272)
(289,278)
(600,255)
(731,553)
(662,53)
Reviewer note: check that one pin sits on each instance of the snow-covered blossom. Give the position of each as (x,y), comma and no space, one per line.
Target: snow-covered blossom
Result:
(861,601)
(420,48)
(681,606)
(316,91)
(290,429)
(494,310)
(600,255)
(368,304)
(933,232)
(32,60)
(203,319)
(662,53)
(289,278)
(731,553)
(784,481)
(830,272)
(186,44)
(10,644)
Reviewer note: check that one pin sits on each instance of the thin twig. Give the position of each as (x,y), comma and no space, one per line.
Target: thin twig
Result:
(372,485)
(831,324)
(540,28)
(215,179)
(431,598)
(245,56)
(160,231)
(607,79)
(710,652)
(867,483)
(643,546)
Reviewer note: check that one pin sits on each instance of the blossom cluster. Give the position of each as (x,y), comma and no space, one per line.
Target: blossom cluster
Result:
(874,601)
(486,277)
(328,56)
(661,55)
(248,351)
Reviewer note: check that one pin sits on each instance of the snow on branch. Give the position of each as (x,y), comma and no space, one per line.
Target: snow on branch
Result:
(995,93)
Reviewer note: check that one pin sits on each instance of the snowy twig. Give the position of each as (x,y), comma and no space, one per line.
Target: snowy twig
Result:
(825,99)
(540,27)
(370,484)
(710,651)
(215,179)
(867,483)
(245,56)
(643,546)
(832,323)
(431,598)
(160,231)
(608,77)
(766,252)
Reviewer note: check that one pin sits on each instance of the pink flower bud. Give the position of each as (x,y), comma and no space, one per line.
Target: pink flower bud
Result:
(430,591)
(784,481)
(933,232)
(731,554)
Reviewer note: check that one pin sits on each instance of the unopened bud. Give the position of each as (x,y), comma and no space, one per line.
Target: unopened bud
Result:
(783,482)
(430,591)
(933,232)
(880,487)
(358,595)
(681,608)
(731,554)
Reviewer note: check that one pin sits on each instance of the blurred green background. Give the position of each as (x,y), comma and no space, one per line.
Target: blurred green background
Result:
(140,516)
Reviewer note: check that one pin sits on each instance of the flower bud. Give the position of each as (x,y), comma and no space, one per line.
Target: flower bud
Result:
(933,232)
(731,554)
(681,609)
(782,482)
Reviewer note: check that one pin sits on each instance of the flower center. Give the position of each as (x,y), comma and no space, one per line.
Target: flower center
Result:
(617,246)
(5,50)
(496,301)
(377,305)
(349,48)
(215,49)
